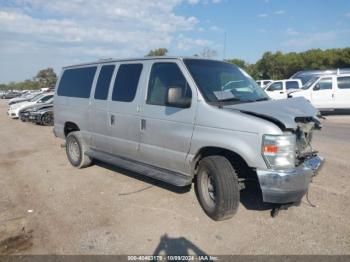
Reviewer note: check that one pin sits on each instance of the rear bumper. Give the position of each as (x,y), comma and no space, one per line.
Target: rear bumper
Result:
(288,186)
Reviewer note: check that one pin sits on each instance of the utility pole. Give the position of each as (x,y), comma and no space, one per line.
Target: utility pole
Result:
(224,53)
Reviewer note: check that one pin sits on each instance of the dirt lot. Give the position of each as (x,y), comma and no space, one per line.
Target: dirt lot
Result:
(48,207)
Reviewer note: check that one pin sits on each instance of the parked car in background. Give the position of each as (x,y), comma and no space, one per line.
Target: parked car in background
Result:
(279,89)
(25,97)
(24,114)
(10,94)
(15,109)
(175,119)
(263,83)
(327,92)
(43,116)
(306,75)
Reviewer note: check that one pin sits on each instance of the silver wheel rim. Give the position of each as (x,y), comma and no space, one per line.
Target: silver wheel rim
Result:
(74,150)
(46,119)
(208,189)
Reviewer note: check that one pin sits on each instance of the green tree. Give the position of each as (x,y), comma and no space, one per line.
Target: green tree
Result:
(239,62)
(249,68)
(46,77)
(158,52)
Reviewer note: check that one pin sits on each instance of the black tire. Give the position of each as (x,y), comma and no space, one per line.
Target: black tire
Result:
(75,150)
(47,119)
(217,187)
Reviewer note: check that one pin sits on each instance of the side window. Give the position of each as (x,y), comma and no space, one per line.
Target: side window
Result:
(163,76)
(126,82)
(77,82)
(278,86)
(45,98)
(344,82)
(103,82)
(324,84)
(292,85)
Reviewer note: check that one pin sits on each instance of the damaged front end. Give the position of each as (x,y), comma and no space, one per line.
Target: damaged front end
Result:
(289,185)
(304,134)
(290,159)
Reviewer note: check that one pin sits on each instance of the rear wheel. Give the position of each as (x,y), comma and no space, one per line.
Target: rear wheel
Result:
(217,187)
(76,149)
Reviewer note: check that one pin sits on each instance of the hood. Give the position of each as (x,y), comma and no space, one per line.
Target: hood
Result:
(18,100)
(45,109)
(39,106)
(18,105)
(282,112)
(24,105)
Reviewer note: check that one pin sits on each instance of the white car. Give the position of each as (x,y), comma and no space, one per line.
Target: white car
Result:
(280,89)
(264,83)
(327,92)
(14,109)
(24,97)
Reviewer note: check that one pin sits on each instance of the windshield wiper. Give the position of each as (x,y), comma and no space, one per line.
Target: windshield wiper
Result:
(261,99)
(223,102)
(230,99)
(256,100)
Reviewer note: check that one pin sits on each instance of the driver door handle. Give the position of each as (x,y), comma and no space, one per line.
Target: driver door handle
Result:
(112,120)
(143,124)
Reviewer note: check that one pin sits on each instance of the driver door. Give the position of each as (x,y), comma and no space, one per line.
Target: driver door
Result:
(322,93)
(166,131)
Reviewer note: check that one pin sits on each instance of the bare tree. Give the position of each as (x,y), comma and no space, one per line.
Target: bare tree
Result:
(208,53)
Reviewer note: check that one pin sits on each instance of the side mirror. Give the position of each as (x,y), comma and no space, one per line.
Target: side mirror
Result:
(176,99)
(317,87)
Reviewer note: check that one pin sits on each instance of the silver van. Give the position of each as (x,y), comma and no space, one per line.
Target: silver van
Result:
(185,120)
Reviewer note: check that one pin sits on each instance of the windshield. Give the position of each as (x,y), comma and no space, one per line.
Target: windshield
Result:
(220,81)
(309,83)
(306,78)
(37,97)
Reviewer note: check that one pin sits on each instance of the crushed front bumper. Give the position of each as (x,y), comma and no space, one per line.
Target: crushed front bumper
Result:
(288,186)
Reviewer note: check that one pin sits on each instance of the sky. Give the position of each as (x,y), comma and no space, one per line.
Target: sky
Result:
(36,34)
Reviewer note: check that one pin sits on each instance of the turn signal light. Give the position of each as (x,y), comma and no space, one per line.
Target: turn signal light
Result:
(270,149)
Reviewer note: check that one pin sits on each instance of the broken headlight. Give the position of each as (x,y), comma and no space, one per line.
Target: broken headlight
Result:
(279,150)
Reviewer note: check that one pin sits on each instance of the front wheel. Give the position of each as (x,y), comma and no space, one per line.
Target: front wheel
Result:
(47,119)
(217,187)
(75,150)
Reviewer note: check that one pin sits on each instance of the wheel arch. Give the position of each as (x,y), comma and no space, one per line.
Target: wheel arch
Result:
(70,127)
(237,161)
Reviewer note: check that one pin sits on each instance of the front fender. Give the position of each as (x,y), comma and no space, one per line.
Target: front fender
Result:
(245,144)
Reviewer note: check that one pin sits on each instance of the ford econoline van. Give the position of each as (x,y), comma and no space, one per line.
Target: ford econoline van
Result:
(188,120)
(327,92)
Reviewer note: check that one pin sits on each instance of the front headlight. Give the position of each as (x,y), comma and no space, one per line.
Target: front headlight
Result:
(279,150)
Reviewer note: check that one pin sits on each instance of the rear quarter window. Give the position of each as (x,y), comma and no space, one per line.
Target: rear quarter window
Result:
(344,82)
(77,82)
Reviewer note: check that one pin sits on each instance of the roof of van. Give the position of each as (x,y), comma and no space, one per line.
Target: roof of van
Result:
(111,60)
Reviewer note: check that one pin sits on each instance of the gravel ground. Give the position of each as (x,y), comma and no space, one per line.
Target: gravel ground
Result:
(49,207)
